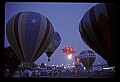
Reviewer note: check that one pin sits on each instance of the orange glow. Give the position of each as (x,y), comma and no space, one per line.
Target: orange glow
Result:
(69,56)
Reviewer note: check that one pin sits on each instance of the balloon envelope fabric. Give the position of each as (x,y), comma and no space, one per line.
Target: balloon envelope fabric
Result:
(97,29)
(29,34)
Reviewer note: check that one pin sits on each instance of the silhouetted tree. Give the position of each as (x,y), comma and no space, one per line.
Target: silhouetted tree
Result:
(11,60)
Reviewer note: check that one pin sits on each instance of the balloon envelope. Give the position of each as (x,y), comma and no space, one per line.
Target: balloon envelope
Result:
(54,45)
(87,58)
(29,34)
(97,29)
(68,50)
(77,61)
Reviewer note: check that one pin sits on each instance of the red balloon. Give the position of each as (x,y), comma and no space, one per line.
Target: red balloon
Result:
(77,61)
(68,50)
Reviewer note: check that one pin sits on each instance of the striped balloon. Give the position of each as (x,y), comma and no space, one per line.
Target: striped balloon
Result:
(87,58)
(29,34)
(54,45)
(97,29)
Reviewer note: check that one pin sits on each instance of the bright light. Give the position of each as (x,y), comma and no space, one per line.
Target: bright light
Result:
(109,68)
(84,68)
(73,63)
(70,56)
(64,67)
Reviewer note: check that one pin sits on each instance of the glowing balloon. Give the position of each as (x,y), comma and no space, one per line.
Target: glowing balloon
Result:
(97,29)
(54,45)
(29,35)
(69,50)
(87,58)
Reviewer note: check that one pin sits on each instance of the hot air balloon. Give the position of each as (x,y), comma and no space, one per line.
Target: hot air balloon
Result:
(97,29)
(87,57)
(77,62)
(29,35)
(69,50)
(54,45)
